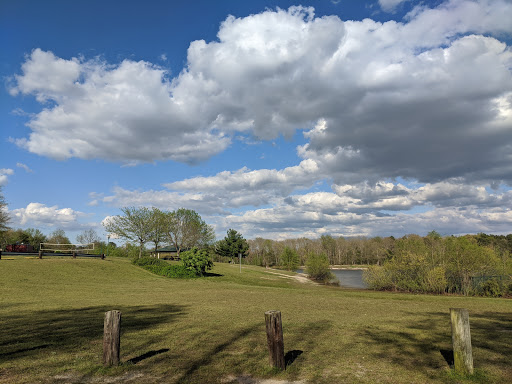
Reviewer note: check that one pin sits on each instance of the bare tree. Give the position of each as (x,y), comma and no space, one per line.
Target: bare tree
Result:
(135,224)
(88,236)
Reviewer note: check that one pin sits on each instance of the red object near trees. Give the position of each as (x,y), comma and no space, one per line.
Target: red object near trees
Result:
(22,248)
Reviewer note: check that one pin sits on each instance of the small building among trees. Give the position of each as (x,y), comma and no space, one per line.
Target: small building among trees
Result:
(169,252)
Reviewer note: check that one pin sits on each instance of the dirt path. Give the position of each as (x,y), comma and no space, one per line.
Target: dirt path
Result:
(300,277)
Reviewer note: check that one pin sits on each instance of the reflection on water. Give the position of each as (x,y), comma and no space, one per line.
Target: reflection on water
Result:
(351,278)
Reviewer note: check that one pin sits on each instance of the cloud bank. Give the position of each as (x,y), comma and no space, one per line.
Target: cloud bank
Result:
(427,99)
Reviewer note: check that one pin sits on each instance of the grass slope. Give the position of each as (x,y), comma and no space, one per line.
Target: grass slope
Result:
(206,330)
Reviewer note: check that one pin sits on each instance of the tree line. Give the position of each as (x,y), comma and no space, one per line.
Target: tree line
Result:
(182,228)
(470,264)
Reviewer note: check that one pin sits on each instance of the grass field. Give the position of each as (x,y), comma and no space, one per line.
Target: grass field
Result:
(212,330)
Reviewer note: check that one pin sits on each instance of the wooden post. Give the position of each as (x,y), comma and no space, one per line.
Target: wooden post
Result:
(111,338)
(461,339)
(74,255)
(275,339)
(40,254)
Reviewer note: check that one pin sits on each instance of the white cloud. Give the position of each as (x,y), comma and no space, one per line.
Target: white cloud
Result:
(25,167)
(414,99)
(390,5)
(426,100)
(274,204)
(40,215)
(125,112)
(4,175)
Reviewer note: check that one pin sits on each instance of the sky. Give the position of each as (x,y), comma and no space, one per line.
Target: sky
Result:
(279,119)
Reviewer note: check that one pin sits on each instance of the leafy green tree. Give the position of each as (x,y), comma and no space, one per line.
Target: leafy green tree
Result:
(158,229)
(328,245)
(317,267)
(232,245)
(186,229)
(35,237)
(466,259)
(197,260)
(290,259)
(4,216)
(135,225)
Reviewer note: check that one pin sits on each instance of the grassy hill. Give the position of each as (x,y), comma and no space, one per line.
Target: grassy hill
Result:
(212,330)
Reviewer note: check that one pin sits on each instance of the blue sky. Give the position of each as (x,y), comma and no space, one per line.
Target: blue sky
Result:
(276,118)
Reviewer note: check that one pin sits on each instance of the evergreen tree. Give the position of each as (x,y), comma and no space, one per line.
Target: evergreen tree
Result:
(232,245)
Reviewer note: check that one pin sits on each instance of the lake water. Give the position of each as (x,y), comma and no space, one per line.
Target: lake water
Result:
(350,278)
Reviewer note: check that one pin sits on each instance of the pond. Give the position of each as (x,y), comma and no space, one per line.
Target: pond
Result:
(350,278)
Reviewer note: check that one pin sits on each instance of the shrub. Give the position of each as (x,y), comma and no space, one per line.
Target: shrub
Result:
(317,267)
(377,278)
(435,280)
(491,288)
(197,261)
(290,259)
(160,267)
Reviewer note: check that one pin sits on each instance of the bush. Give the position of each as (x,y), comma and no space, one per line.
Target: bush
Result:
(290,259)
(197,261)
(317,267)
(377,278)
(435,280)
(160,267)
(491,288)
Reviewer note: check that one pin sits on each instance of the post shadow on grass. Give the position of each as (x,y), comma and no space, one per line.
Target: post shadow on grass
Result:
(26,333)
(448,356)
(425,340)
(22,350)
(147,355)
(291,356)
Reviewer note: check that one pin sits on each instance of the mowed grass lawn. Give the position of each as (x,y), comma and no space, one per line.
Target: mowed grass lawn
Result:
(212,330)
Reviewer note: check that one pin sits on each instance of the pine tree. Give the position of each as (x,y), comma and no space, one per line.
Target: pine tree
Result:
(232,245)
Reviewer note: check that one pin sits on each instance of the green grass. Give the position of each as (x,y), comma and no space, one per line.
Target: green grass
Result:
(206,330)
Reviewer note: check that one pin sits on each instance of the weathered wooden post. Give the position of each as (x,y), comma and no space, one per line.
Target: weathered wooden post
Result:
(461,340)
(111,338)
(40,254)
(74,255)
(275,339)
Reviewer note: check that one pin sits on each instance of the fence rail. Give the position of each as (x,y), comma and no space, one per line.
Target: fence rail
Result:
(47,254)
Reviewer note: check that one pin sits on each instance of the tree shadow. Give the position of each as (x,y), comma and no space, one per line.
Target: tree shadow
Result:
(211,274)
(209,356)
(25,333)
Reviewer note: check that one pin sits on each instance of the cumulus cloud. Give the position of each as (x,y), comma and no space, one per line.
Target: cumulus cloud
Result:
(4,175)
(426,100)
(124,113)
(273,203)
(414,99)
(40,215)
